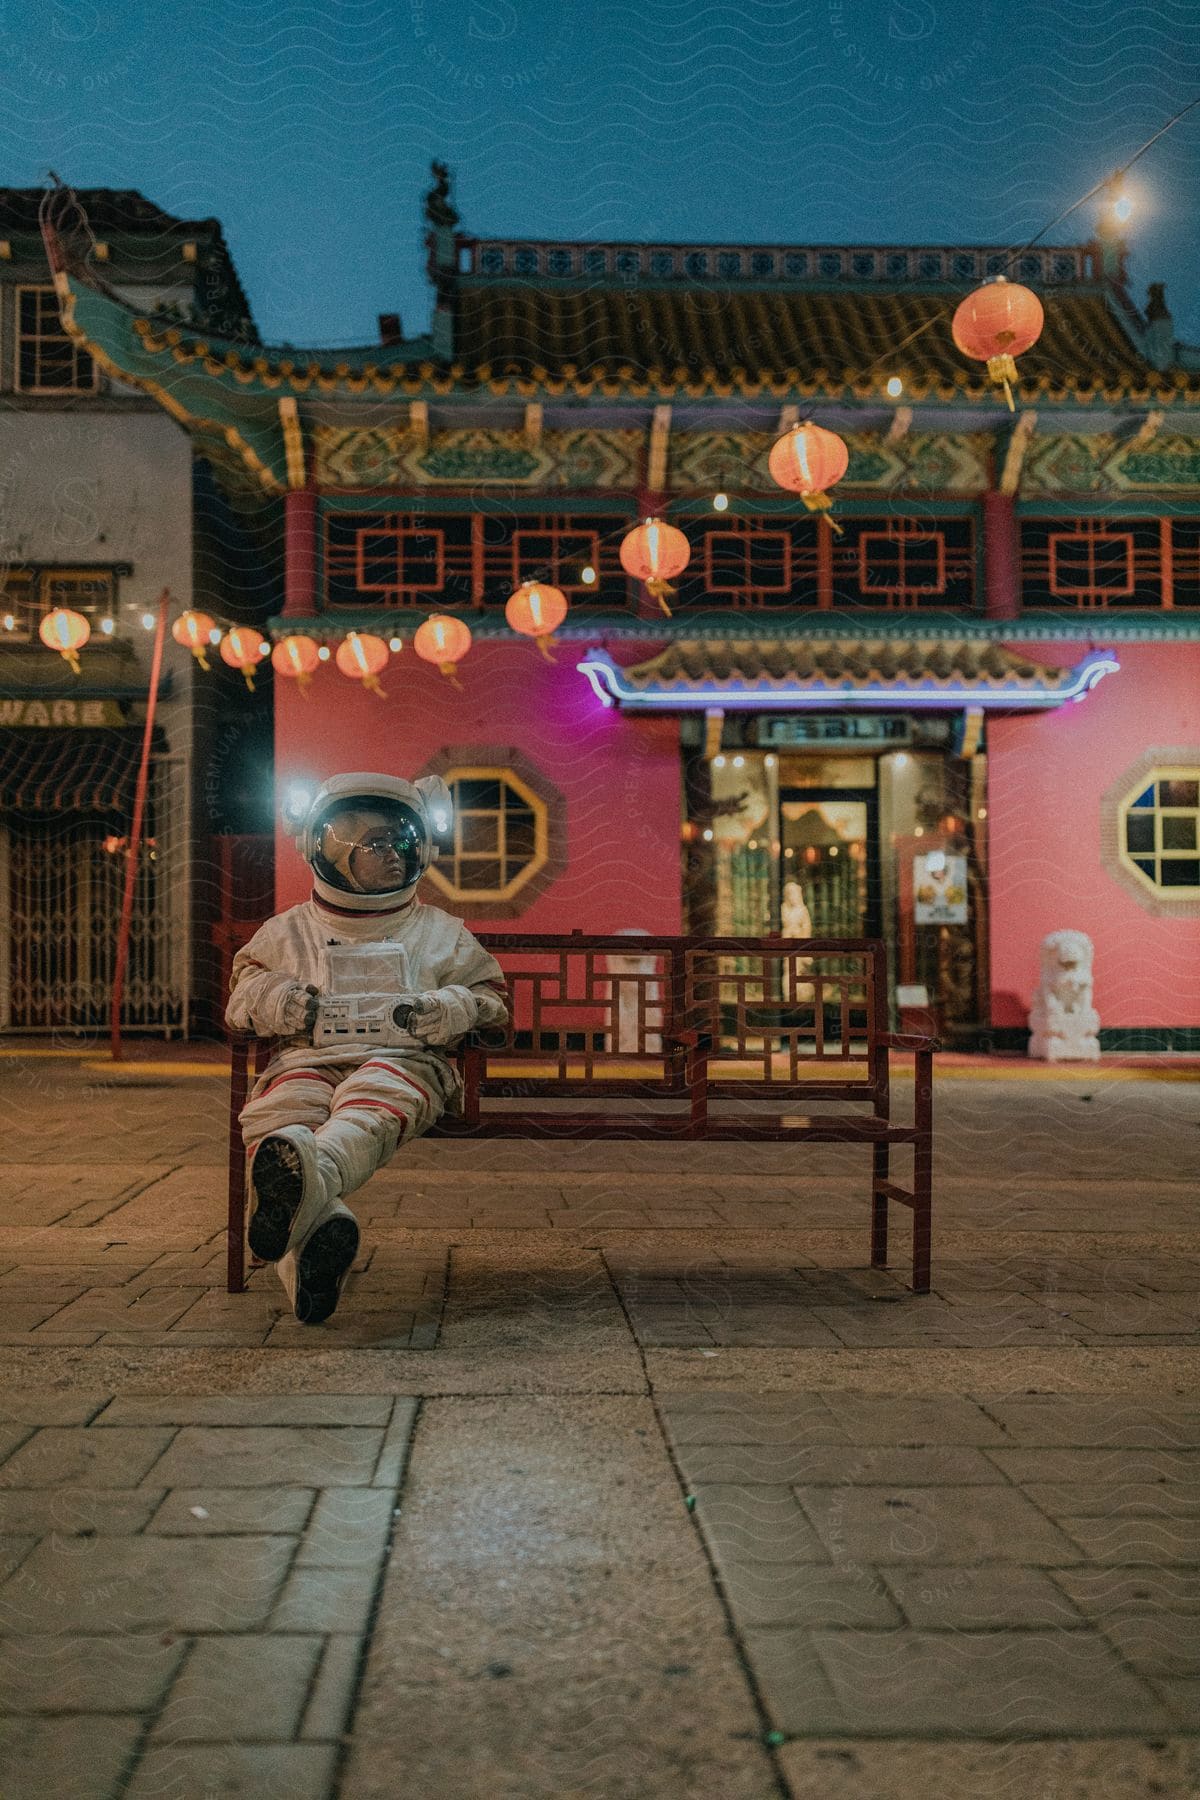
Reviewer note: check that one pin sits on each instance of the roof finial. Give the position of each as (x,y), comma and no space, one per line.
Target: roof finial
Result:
(438,207)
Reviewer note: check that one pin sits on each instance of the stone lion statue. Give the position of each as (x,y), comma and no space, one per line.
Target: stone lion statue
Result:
(1063,1023)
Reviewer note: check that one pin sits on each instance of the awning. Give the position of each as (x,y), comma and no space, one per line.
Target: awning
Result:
(798,674)
(56,772)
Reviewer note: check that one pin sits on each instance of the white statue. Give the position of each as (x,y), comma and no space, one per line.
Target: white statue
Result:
(795,920)
(1063,1023)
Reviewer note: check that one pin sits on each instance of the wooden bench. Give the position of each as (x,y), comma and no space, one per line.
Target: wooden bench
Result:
(682,1039)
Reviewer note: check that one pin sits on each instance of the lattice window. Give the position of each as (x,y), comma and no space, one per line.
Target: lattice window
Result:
(47,360)
(1095,563)
(906,563)
(466,559)
(903,562)
(747,560)
(1160,832)
(500,835)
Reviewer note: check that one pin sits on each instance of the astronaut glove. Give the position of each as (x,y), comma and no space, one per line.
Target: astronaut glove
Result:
(298,1010)
(443,1015)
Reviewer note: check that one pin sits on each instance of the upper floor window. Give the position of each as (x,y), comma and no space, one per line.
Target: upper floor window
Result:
(27,595)
(1097,563)
(47,360)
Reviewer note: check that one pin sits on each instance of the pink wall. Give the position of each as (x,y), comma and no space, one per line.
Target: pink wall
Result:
(621,777)
(1046,776)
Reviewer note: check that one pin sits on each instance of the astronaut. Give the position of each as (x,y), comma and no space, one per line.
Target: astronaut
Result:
(353,1075)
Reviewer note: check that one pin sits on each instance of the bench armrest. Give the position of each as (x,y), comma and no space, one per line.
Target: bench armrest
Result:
(909,1040)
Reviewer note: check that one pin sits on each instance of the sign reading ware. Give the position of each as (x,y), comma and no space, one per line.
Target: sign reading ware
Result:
(24,714)
(833,729)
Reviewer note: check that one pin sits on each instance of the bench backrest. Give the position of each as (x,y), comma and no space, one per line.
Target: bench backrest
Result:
(608,1012)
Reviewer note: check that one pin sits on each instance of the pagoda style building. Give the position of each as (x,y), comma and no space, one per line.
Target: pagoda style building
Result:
(965,715)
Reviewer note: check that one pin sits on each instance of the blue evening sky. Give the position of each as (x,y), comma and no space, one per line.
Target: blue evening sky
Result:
(307,128)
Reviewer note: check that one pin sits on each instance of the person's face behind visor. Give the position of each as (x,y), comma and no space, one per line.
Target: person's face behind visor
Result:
(372,849)
(380,861)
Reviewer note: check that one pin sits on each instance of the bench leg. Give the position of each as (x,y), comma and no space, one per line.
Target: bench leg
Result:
(879,1206)
(922,1216)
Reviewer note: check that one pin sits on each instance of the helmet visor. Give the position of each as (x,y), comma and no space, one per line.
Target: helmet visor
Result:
(371,846)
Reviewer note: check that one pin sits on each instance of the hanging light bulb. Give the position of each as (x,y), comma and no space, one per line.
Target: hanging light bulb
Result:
(588,575)
(895,387)
(720,502)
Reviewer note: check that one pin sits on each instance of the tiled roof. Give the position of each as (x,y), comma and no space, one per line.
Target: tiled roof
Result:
(789,673)
(705,339)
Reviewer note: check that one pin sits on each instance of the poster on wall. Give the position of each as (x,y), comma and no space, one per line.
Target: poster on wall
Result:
(939,889)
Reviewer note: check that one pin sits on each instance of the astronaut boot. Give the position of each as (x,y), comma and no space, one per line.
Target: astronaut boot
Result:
(286,1188)
(320,1256)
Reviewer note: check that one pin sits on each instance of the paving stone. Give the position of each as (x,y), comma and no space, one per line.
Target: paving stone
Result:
(349,1528)
(953,1684)
(11,1437)
(821,1465)
(146,1584)
(1146,1499)
(328,1712)
(36,1407)
(233,1511)
(249,1771)
(1116,1422)
(793,1419)
(1156,1643)
(397,1441)
(13,1551)
(1101,1769)
(933,1525)
(103,1309)
(247,1409)
(77,1512)
(961,1599)
(130,1673)
(1180,1695)
(325,1600)
(263,1456)
(63,1456)
(1102,1469)
(806,1594)
(1098,1592)
(248,1689)
(1135,1540)
(77,1755)
(755,1524)
(948,1419)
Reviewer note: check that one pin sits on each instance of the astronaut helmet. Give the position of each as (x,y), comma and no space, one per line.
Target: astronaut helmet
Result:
(369,838)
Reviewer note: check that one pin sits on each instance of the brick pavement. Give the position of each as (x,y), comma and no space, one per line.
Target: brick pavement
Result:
(616,1473)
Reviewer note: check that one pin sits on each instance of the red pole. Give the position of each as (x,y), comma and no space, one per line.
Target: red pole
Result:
(135,834)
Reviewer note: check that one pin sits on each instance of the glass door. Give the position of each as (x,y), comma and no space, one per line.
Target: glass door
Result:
(828,867)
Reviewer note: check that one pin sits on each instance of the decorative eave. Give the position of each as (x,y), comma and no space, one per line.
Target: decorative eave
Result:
(692,676)
(592,626)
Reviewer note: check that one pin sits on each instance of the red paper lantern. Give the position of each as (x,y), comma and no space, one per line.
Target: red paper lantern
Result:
(361,657)
(808,460)
(537,610)
(243,648)
(655,552)
(443,640)
(194,631)
(67,632)
(296,657)
(997,323)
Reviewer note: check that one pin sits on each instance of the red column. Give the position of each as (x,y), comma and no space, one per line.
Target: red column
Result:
(1001,557)
(300,553)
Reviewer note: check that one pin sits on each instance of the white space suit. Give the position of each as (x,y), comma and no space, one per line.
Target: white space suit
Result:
(324,1116)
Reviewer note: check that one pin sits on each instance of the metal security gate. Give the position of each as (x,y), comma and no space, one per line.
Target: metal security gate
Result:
(61,881)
